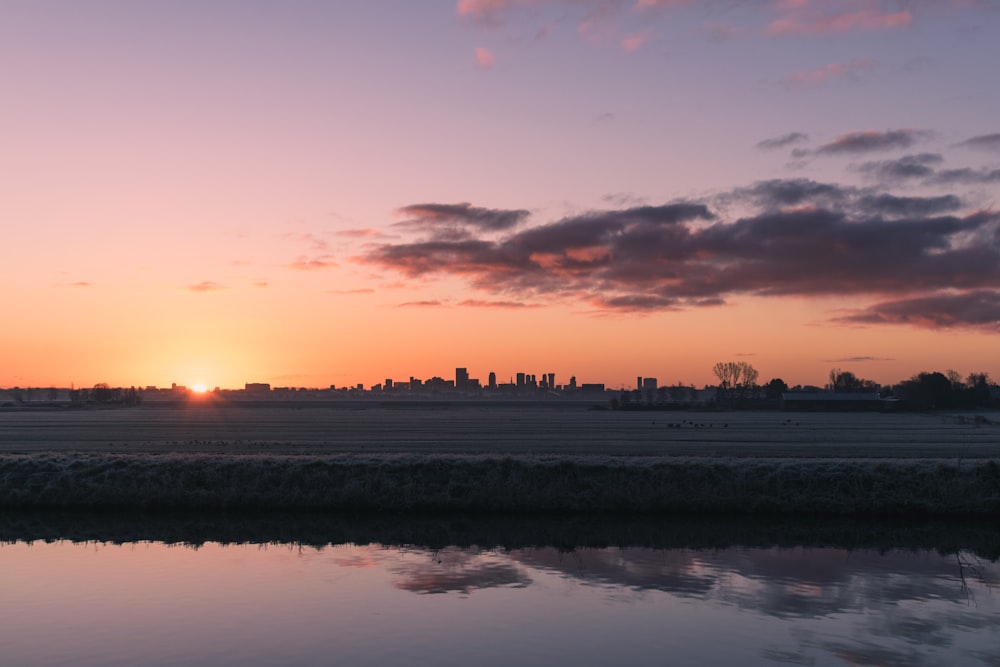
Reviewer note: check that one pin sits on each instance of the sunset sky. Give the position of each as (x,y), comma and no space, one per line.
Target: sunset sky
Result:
(310,193)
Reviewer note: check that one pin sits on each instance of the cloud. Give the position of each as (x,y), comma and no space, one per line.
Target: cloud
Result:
(922,167)
(647,4)
(976,308)
(902,169)
(901,207)
(458,220)
(309,239)
(81,283)
(817,77)
(262,283)
(315,264)
(858,360)
(504,305)
(804,239)
(783,141)
(985,142)
(965,176)
(364,290)
(421,304)
(484,58)
(809,23)
(867,141)
(359,233)
(636,40)
(485,10)
(205,286)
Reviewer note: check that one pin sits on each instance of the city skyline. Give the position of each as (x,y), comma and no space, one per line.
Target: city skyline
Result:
(315,194)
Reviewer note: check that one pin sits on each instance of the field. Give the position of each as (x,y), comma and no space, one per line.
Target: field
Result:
(547,457)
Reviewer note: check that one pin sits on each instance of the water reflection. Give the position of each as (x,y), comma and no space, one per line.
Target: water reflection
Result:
(209,602)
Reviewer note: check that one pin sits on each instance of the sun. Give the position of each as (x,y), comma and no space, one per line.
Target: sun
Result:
(199,388)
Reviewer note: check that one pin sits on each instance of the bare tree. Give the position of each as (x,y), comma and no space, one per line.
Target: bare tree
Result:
(735,379)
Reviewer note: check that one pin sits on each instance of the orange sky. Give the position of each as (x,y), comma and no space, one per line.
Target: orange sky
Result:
(310,195)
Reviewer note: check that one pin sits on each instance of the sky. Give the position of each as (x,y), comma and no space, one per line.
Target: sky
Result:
(315,193)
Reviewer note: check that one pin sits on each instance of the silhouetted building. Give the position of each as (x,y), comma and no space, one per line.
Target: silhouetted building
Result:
(552,380)
(520,380)
(648,384)
(257,387)
(461,378)
(493,380)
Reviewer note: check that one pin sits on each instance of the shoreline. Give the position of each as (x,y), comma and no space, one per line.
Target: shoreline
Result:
(501,531)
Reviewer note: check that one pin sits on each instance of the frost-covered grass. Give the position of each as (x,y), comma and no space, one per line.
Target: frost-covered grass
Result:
(521,483)
(500,430)
(500,458)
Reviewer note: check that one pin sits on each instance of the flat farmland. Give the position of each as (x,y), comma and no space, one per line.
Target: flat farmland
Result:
(457,428)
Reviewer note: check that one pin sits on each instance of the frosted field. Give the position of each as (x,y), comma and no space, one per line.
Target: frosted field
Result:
(501,458)
(497,429)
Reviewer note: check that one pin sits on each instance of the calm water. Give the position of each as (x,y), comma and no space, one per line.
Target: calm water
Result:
(155,603)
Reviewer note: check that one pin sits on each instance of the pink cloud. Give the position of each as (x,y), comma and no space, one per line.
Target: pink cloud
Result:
(359,233)
(646,4)
(480,8)
(420,304)
(788,5)
(306,264)
(844,22)
(636,41)
(503,305)
(484,58)
(206,286)
(817,77)
(308,238)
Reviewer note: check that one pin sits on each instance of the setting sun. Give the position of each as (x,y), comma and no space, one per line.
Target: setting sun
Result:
(199,388)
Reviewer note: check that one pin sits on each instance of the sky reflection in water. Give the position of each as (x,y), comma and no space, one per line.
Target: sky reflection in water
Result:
(158,604)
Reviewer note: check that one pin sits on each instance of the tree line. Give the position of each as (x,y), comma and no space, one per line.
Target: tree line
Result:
(738,388)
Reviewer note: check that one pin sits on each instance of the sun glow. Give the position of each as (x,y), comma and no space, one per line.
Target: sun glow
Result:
(199,388)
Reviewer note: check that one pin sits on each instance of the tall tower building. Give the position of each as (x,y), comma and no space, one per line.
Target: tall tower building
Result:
(461,378)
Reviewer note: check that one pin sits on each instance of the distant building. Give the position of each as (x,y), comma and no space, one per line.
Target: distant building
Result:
(493,380)
(257,387)
(461,378)
(648,384)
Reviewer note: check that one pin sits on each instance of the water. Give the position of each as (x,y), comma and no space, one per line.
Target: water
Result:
(95,601)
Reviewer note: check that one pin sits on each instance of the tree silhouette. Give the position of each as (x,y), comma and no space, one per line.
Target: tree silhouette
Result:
(848,382)
(775,388)
(735,379)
